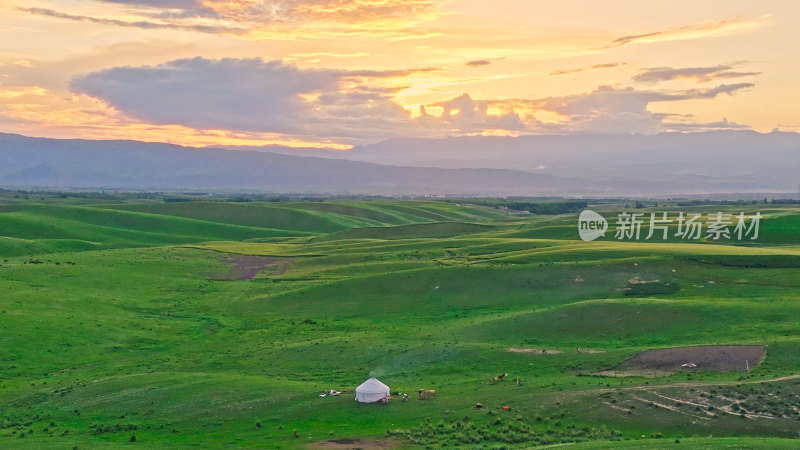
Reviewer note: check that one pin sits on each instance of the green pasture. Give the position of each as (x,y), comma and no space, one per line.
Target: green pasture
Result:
(118,330)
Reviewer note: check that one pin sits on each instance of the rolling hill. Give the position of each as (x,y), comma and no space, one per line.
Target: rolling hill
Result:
(218,325)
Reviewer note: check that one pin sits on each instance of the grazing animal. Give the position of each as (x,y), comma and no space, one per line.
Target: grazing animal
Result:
(500,377)
(427,393)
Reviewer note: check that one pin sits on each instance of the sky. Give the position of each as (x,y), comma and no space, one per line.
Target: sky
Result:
(339,73)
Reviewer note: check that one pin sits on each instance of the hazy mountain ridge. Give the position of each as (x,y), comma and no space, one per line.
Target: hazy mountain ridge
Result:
(716,153)
(590,165)
(39,162)
(715,161)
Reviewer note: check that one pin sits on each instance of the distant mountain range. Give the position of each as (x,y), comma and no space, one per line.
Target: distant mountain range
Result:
(570,165)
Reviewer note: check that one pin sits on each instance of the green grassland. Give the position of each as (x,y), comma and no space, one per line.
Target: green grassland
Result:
(117,330)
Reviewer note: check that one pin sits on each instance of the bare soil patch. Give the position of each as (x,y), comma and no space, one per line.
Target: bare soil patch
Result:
(541,351)
(246,267)
(348,443)
(718,358)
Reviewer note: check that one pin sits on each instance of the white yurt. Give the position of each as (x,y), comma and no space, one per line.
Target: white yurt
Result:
(371,391)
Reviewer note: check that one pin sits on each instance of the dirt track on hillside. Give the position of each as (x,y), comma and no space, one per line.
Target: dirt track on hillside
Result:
(718,358)
(246,267)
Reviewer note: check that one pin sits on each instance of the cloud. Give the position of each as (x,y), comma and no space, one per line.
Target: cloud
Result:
(466,115)
(266,19)
(607,65)
(148,25)
(254,95)
(699,74)
(174,4)
(483,61)
(296,11)
(729,89)
(713,28)
(356,106)
(723,124)
(8,93)
(171,9)
(328,55)
(581,69)
(622,110)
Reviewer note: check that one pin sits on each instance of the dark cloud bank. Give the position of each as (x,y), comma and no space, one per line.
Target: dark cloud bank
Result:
(358,106)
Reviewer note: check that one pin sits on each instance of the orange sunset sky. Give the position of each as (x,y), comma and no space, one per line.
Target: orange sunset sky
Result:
(338,73)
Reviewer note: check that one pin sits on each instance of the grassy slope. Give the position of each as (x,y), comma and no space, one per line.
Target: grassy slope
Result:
(33,228)
(140,341)
(319,217)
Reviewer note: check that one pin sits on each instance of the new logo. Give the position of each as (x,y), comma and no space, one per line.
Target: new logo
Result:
(591,225)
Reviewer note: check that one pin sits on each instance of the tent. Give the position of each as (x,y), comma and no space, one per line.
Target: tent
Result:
(371,391)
